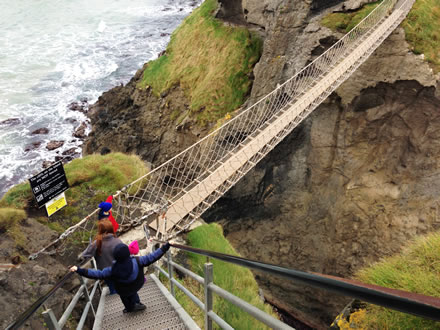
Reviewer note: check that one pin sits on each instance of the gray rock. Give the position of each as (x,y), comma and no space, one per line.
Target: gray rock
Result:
(10,122)
(80,132)
(52,145)
(42,130)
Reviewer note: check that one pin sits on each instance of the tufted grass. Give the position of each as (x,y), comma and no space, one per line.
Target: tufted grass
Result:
(416,269)
(210,61)
(235,279)
(10,219)
(422,27)
(344,22)
(91,179)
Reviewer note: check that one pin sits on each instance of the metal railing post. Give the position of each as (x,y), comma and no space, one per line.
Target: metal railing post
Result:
(208,295)
(51,320)
(87,294)
(170,273)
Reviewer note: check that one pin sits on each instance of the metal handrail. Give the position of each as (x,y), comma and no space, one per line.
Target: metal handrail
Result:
(211,287)
(403,301)
(39,302)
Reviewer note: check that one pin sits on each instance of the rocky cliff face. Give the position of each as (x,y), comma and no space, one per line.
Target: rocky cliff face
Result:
(133,120)
(353,183)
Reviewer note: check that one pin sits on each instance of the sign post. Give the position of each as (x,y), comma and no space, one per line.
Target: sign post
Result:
(48,188)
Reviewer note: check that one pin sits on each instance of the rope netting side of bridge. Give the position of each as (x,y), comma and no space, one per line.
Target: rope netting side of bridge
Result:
(172,196)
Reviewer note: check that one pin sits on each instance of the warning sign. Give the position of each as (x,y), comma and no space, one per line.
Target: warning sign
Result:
(56,204)
(49,183)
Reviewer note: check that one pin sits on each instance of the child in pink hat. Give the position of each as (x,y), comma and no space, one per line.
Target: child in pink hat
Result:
(134,247)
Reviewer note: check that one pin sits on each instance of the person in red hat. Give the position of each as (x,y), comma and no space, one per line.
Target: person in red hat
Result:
(106,212)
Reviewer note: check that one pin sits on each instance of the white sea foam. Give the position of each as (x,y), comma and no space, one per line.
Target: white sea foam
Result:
(54,52)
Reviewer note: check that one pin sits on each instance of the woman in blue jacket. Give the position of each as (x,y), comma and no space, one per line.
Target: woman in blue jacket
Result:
(127,274)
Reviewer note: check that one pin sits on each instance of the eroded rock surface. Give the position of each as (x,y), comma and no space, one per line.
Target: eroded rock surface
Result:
(133,120)
(355,182)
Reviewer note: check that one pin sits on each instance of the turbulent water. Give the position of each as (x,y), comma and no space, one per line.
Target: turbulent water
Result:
(55,52)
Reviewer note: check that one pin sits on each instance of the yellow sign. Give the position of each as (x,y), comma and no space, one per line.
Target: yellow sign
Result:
(56,204)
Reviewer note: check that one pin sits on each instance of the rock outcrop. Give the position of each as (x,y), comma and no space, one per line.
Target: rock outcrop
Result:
(353,183)
(133,120)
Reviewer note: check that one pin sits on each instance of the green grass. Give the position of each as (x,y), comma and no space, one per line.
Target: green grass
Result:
(416,269)
(10,219)
(422,29)
(91,180)
(235,279)
(344,22)
(211,62)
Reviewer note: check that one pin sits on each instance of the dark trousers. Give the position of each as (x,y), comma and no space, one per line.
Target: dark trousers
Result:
(110,285)
(130,301)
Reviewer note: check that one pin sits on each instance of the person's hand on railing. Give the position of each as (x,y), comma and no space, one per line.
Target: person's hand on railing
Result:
(165,247)
(73,269)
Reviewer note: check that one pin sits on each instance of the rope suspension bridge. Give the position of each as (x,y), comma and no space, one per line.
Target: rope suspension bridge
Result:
(172,196)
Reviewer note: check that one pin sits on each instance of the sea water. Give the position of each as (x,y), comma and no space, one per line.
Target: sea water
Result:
(55,52)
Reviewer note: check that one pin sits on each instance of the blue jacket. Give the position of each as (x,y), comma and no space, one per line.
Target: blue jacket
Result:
(138,262)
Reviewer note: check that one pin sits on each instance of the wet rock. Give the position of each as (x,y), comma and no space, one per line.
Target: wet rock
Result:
(80,132)
(81,106)
(52,145)
(42,130)
(71,120)
(10,122)
(70,151)
(33,146)
(47,163)
(164,34)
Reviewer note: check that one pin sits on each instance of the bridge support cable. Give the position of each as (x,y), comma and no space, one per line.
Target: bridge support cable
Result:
(403,301)
(180,190)
(197,177)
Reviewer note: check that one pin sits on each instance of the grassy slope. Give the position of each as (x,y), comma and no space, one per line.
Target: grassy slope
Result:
(344,22)
(235,279)
(416,269)
(91,180)
(422,27)
(210,61)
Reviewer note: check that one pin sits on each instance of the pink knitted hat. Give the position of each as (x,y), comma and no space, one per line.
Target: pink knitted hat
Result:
(134,247)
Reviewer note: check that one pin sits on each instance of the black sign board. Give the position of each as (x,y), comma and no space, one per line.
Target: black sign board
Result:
(49,183)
